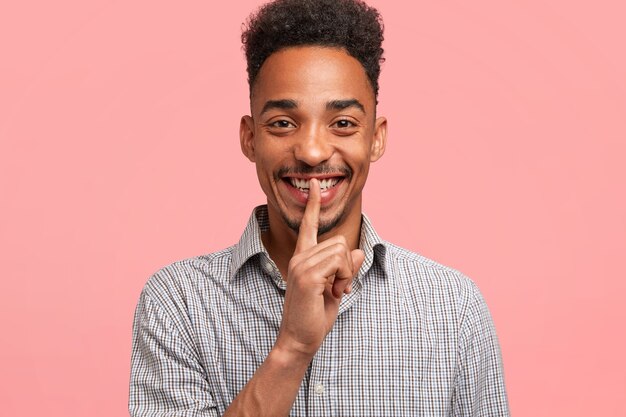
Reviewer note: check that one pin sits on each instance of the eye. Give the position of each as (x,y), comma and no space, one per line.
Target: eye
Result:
(344,124)
(282,124)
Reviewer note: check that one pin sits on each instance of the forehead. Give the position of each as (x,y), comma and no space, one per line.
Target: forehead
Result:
(313,76)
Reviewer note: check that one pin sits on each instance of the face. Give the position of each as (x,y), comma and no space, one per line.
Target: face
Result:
(313,116)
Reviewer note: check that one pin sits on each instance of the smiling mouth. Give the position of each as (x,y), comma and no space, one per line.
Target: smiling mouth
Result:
(303,184)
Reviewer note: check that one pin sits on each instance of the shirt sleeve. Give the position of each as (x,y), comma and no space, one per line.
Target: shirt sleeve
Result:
(167,378)
(479,387)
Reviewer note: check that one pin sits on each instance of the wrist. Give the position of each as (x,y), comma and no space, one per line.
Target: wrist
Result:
(290,356)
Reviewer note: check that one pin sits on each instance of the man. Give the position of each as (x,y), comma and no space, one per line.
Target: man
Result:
(311,313)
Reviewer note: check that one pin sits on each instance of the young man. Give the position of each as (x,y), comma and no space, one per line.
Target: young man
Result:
(311,313)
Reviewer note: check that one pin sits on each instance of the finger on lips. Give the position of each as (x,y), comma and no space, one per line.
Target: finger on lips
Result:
(332,258)
(307,236)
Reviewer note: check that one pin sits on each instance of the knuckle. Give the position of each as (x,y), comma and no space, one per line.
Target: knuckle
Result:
(340,248)
(335,248)
(341,252)
(337,257)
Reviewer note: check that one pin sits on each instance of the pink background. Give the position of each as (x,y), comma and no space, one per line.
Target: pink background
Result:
(119,154)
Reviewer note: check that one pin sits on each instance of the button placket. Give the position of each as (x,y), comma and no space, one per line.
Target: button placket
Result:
(318,403)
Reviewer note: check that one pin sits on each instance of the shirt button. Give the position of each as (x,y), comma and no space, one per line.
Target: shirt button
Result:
(268,267)
(319,389)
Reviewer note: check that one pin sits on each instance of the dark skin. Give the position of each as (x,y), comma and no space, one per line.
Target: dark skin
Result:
(313,121)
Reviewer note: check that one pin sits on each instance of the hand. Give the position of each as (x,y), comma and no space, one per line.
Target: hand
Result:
(318,276)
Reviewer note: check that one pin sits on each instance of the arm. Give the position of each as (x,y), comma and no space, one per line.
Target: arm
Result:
(479,386)
(166,379)
(318,276)
(273,388)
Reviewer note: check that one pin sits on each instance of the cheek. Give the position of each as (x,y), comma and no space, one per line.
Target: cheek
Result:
(265,170)
(356,155)
(265,181)
(265,176)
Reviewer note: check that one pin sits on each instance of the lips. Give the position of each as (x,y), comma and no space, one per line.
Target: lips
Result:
(298,188)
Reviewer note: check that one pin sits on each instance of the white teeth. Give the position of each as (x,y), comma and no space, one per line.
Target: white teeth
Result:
(303,184)
(327,183)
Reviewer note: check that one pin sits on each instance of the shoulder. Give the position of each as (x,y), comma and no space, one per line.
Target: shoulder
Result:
(429,281)
(416,267)
(181,278)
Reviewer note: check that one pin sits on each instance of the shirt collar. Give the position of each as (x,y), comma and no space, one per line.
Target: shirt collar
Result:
(250,243)
(372,245)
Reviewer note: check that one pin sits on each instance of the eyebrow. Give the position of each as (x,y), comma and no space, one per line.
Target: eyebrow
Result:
(331,105)
(279,104)
(344,104)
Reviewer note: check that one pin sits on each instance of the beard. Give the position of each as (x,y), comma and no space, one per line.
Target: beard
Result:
(322,228)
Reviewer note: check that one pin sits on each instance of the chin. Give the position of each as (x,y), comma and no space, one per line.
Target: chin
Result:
(324,226)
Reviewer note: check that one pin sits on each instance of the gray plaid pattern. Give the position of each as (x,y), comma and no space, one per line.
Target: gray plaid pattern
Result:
(413,338)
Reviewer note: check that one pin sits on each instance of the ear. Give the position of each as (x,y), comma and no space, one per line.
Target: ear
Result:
(380,139)
(246,137)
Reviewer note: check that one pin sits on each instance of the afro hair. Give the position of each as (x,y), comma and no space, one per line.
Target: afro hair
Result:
(348,24)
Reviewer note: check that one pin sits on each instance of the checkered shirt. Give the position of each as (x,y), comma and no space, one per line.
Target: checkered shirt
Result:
(413,338)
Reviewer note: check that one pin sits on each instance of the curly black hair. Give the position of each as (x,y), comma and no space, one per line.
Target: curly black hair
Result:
(348,24)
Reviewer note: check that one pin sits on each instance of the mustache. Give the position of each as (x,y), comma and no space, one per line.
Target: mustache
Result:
(323,169)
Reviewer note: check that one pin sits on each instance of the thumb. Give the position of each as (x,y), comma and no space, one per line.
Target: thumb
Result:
(358,256)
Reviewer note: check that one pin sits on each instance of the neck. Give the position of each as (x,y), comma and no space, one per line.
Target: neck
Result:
(280,240)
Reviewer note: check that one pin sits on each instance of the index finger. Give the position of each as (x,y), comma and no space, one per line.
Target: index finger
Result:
(307,235)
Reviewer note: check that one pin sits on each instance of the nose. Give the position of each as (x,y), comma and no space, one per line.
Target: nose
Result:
(313,147)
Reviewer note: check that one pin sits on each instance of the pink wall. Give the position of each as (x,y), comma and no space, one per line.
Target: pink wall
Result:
(119,154)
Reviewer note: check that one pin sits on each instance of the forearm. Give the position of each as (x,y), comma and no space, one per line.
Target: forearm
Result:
(273,388)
